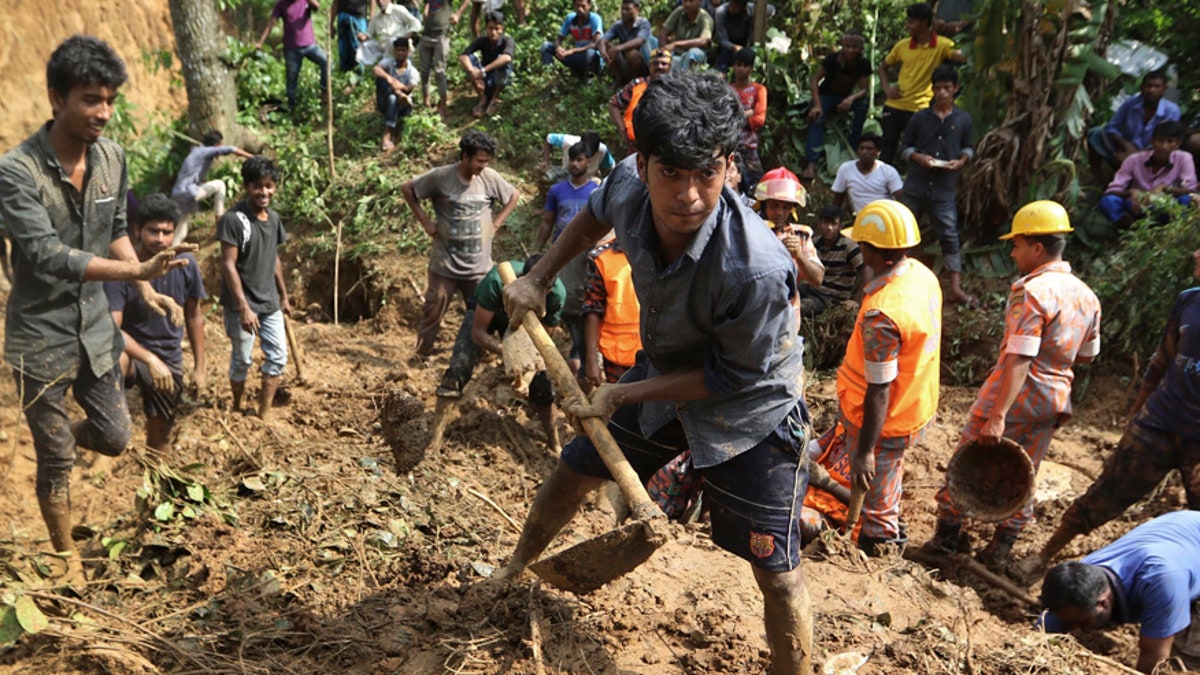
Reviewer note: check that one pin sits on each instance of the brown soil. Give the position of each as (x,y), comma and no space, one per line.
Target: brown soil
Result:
(29,32)
(310,554)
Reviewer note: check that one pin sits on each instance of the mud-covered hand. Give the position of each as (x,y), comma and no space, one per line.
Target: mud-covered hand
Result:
(993,429)
(164,382)
(591,371)
(862,470)
(199,386)
(164,261)
(163,305)
(524,295)
(602,403)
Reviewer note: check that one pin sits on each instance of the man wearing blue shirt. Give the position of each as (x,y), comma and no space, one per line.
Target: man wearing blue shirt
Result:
(720,368)
(1163,435)
(1151,577)
(1132,127)
(583,28)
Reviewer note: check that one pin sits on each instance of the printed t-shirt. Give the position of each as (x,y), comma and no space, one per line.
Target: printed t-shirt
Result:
(462,248)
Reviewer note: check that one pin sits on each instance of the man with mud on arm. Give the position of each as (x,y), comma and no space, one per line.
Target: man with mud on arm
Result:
(64,206)
(720,368)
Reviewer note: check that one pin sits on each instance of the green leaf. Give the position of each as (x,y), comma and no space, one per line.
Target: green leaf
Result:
(29,616)
(10,627)
(115,550)
(195,492)
(188,512)
(1099,65)
(165,511)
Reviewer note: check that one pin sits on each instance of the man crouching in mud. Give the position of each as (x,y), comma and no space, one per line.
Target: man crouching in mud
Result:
(720,368)
(64,203)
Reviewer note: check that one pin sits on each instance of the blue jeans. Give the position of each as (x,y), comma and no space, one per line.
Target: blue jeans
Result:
(241,343)
(293,58)
(945,220)
(689,59)
(1114,207)
(580,63)
(348,28)
(495,80)
(816,128)
(388,103)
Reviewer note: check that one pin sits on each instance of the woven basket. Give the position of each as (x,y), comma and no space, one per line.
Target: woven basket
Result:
(990,483)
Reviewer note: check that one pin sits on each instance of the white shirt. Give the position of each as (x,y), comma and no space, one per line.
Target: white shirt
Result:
(390,23)
(881,182)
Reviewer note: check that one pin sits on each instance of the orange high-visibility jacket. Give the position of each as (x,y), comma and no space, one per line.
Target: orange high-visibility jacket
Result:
(911,298)
(620,336)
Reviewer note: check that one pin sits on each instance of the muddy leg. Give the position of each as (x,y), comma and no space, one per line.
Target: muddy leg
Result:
(56,511)
(266,396)
(788,619)
(238,388)
(547,414)
(158,433)
(555,505)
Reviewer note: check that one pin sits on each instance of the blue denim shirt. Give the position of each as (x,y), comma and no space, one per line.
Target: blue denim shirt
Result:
(723,306)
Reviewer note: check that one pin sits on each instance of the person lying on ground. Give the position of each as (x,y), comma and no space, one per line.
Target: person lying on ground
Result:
(729,353)
(1163,434)
(153,357)
(1150,576)
(253,292)
(583,28)
(1163,170)
(491,70)
(1052,322)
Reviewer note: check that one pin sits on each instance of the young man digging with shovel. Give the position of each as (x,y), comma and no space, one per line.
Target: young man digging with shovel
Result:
(719,345)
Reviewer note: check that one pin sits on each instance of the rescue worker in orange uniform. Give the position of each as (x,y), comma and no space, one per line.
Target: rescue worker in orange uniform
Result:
(611,324)
(779,193)
(887,385)
(1052,321)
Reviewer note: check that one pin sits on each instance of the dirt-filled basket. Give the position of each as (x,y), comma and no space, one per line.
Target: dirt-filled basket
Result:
(990,483)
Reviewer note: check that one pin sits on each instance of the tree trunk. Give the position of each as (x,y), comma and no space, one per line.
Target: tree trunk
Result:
(211,88)
(760,23)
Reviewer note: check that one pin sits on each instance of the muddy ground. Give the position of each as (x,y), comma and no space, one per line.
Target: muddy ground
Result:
(293,547)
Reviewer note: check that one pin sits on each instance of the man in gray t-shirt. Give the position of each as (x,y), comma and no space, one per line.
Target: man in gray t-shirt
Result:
(463,195)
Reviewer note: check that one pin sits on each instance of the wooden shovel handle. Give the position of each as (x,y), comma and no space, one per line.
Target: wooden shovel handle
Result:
(297,358)
(857,496)
(627,479)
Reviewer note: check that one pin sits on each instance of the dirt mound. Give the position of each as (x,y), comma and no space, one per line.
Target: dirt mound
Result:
(137,29)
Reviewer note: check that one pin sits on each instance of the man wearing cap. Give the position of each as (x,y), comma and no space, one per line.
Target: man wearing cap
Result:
(624,102)
(1052,321)
(887,385)
(1164,433)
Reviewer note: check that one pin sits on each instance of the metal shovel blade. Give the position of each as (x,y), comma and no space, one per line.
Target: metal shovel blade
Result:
(589,565)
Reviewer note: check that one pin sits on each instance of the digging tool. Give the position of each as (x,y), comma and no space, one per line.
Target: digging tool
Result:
(857,495)
(585,567)
(294,347)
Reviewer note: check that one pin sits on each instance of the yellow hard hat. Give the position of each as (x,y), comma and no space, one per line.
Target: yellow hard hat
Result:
(1040,217)
(885,223)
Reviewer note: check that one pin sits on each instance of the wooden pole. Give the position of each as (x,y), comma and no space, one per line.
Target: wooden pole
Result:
(760,22)
(337,274)
(329,87)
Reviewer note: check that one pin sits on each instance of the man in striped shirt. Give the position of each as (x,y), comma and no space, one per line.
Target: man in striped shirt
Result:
(843,265)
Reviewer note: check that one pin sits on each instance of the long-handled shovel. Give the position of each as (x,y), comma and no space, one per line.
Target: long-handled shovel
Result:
(297,356)
(587,566)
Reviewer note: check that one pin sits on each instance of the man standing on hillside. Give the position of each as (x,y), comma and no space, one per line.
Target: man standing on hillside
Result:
(299,42)
(917,55)
(1052,322)
(463,194)
(720,367)
(64,207)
